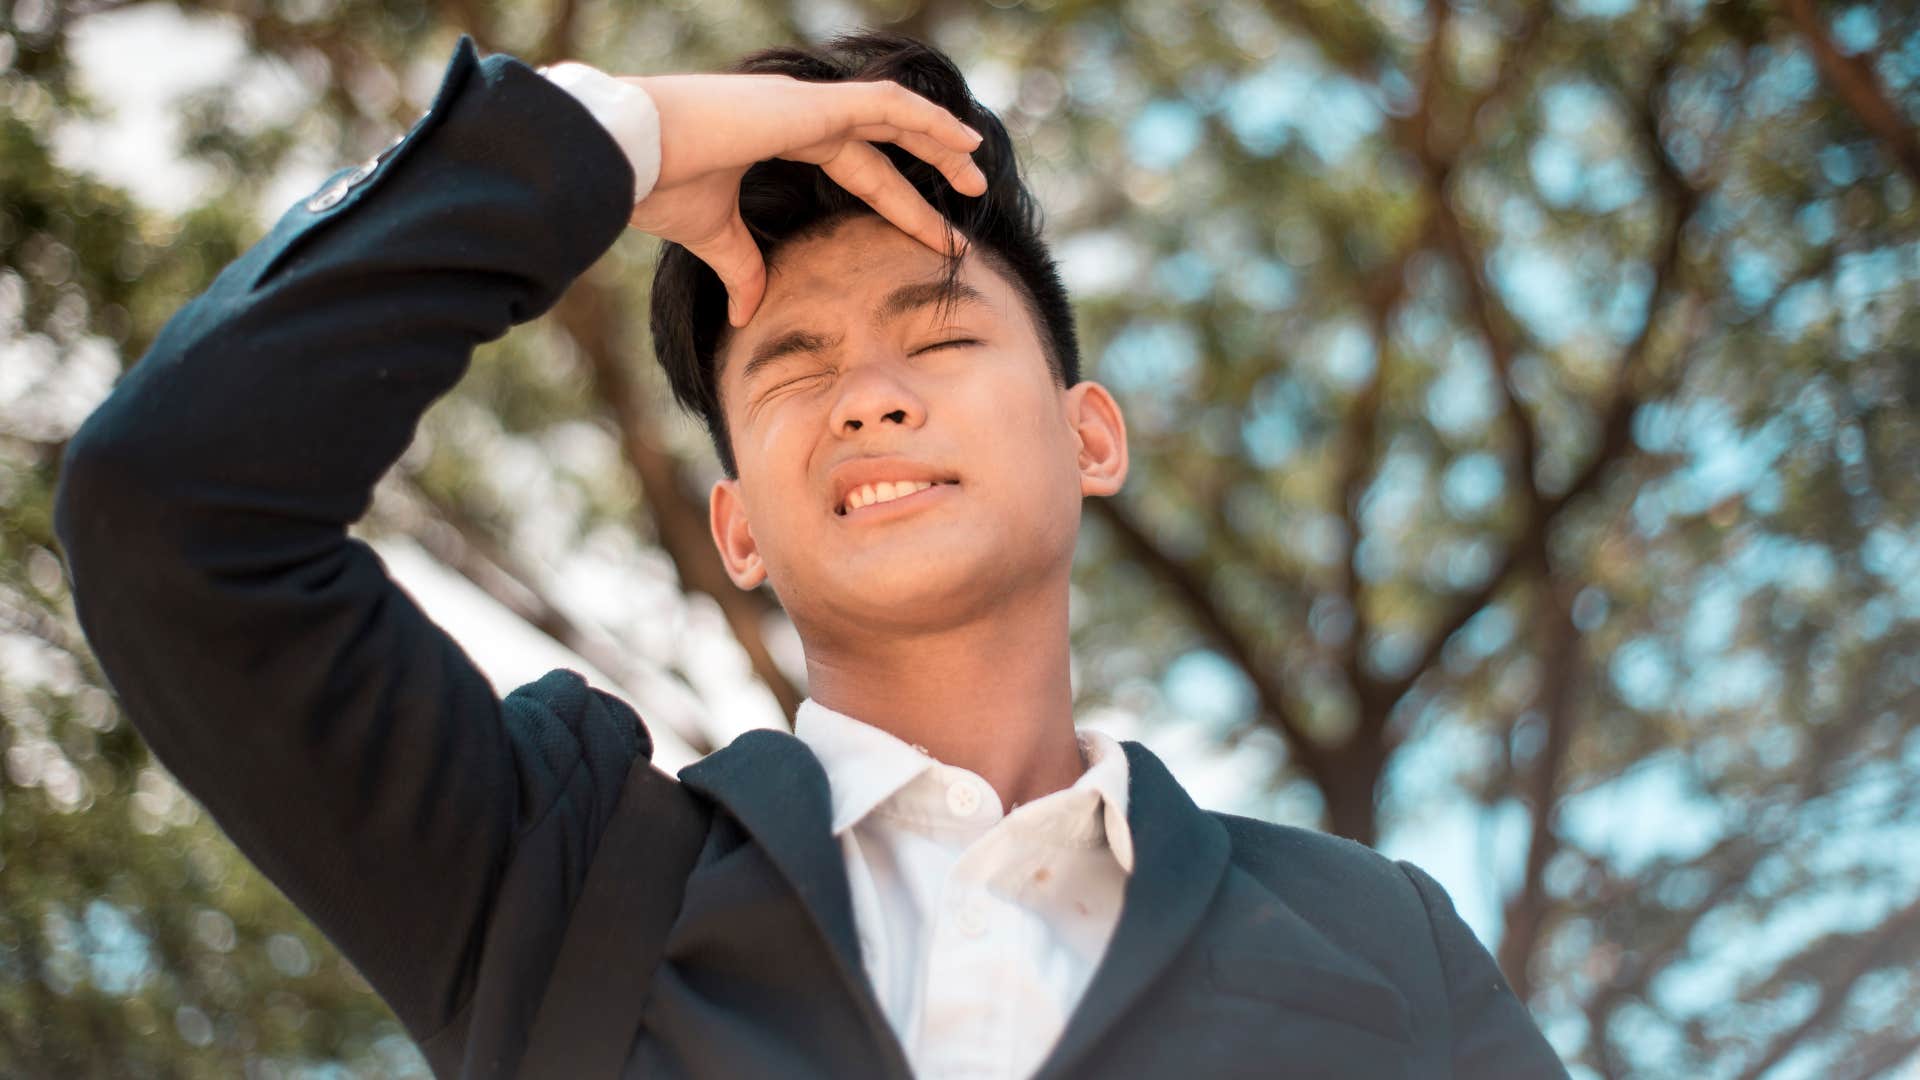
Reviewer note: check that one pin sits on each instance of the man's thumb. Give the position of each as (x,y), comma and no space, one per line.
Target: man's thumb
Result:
(735,258)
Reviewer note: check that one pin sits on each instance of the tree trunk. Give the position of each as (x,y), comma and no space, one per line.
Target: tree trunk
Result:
(1350,781)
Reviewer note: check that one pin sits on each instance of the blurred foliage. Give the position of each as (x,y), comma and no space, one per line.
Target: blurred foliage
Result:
(1523,405)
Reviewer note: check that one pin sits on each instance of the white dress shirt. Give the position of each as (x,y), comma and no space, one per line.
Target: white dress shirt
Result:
(980,928)
(623,109)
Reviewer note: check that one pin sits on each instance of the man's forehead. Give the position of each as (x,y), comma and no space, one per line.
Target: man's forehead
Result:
(860,260)
(813,291)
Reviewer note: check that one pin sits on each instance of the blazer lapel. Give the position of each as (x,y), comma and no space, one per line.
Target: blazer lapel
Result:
(1179,856)
(776,788)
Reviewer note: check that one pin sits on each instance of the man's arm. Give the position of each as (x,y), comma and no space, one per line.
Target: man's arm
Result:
(343,741)
(1493,1034)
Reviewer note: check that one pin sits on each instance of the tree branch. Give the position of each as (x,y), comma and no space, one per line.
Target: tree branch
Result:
(1192,590)
(1357,465)
(1420,124)
(1734,859)
(1520,50)
(1870,951)
(469,548)
(586,313)
(1528,908)
(1631,387)
(1352,48)
(1382,296)
(1496,328)
(1877,1055)
(1859,88)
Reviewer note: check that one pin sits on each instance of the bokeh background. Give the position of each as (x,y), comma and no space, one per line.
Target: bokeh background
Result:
(1523,405)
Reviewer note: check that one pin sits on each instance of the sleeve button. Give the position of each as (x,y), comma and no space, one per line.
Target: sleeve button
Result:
(391,147)
(330,198)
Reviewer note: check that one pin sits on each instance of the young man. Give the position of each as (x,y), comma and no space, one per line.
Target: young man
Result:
(935,875)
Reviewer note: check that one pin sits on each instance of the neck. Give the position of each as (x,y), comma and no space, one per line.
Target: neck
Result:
(990,695)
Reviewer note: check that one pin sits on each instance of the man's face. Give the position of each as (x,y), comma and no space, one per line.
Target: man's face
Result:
(853,382)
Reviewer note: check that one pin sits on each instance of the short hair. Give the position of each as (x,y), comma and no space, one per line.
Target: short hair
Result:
(785,201)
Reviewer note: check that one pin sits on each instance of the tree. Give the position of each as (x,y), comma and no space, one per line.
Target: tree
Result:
(1522,403)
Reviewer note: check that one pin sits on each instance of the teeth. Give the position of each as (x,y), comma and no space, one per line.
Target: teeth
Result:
(885,491)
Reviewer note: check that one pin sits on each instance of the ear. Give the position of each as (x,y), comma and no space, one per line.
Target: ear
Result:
(731,534)
(1102,432)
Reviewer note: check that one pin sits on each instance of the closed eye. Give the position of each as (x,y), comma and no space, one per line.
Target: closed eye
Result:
(944,344)
(797,380)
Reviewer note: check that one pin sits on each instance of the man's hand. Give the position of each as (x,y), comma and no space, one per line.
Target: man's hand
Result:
(713,127)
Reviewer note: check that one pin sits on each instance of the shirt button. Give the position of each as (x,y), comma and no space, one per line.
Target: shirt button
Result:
(971,918)
(963,798)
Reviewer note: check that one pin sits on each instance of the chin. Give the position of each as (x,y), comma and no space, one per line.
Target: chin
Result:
(911,594)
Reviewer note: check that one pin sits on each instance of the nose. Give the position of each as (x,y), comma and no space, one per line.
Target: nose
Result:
(874,394)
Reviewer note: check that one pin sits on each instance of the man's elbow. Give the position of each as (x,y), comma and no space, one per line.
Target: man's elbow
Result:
(105,498)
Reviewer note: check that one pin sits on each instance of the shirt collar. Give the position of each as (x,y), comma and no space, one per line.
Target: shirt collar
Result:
(866,766)
(1107,774)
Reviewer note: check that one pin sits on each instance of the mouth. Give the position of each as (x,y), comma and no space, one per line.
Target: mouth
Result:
(873,499)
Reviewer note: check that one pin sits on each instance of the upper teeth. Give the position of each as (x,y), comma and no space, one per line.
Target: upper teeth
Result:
(885,491)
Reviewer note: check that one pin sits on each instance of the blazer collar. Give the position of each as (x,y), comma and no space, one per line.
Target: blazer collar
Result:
(776,788)
(1180,854)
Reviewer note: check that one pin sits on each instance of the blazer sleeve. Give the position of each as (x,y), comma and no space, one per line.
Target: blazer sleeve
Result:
(1493,1033)
(341,739)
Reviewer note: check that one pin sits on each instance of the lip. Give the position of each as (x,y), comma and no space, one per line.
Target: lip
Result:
(851,474)
(905,504)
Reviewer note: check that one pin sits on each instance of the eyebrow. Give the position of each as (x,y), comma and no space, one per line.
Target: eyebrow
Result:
(906,298)
(794,341)
(918,294)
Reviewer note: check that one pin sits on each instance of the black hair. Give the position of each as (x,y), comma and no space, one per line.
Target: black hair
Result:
(783,201)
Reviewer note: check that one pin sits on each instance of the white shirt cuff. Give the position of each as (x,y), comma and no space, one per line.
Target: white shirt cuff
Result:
(623,109)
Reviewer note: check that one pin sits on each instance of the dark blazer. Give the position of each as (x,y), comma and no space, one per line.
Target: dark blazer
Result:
(439,834)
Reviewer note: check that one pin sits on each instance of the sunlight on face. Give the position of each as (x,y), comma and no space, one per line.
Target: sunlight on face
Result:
(904,464)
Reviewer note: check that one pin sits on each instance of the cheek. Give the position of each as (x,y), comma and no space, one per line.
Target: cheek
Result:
(779,500)
(773,437)
(780,439)
(1016,423)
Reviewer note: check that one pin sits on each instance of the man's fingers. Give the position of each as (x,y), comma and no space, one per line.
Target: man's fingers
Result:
(714,127)
(900,107)
(714,123)
(735,258)
(957,166)
(868,174)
